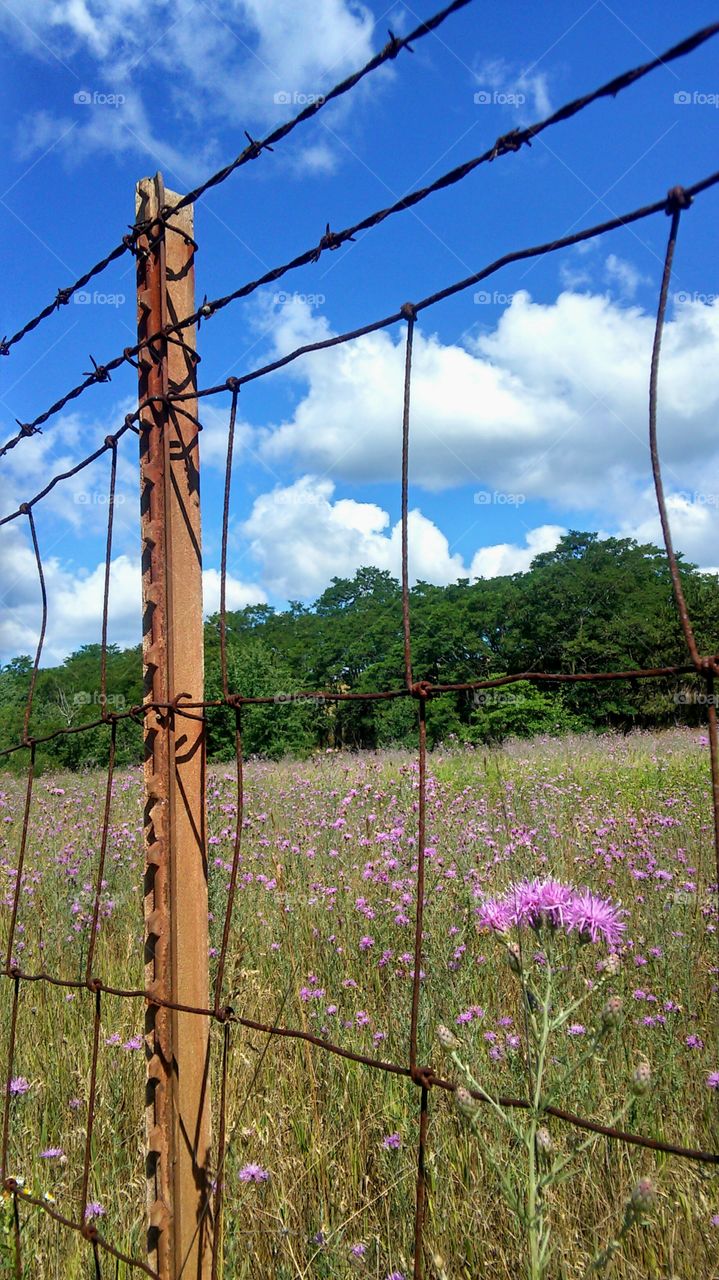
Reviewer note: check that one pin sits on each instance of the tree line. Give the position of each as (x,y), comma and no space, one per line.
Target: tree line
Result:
(591,604)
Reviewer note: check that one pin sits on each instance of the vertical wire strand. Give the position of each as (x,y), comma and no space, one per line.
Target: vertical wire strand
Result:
(16,1231)
(653,446)
(225,534)
(103,852)
(111,442)
(419,905)
(43,625)
(20,861)
(8,1078)
(90,1110)
(236,855)
(221,1140)
(421,1186)
(714,763)
(409,311)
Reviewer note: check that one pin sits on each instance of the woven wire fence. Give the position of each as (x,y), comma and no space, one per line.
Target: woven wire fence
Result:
(225,1015)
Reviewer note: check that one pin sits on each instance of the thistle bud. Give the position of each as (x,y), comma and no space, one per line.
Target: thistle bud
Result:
(641,1079)
(611,966)
(612,1012)
(514,959)
(643,1196)
(543,1139)
(464,1101)
(447,1038)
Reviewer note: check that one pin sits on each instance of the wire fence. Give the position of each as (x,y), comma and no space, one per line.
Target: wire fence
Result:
(180,709)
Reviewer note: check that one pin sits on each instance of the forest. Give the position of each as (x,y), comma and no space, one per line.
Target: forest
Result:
(591,604)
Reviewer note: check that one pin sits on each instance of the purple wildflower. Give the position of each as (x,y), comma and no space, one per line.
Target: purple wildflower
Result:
(713,1080)
(52,1153)
(358,1250)
(18,1085)
(392,1142)
(594,918)
(494,914)
(253,1173)
(538,902)
(94,1210)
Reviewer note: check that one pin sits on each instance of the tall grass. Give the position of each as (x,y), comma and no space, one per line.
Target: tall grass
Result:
(322,940)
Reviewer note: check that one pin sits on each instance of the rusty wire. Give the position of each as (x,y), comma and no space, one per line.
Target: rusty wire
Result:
(506,144)
(459,286)
(253,150)
(223,1015)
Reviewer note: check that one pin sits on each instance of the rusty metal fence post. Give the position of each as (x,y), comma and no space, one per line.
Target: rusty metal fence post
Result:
(176,906)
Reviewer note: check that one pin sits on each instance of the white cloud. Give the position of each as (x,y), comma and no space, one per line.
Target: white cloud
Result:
(75,600)
(692,518)
(526,92)
(247,61)
(303,537)
(238,594)
(507,557)
(624,275)
(551,404)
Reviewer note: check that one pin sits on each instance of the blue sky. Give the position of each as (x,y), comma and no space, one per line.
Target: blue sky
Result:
(530,391)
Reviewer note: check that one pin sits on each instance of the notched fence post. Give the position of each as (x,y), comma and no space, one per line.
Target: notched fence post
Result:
(176,927)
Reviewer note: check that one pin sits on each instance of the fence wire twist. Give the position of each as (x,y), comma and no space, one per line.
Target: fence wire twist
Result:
(219,1010)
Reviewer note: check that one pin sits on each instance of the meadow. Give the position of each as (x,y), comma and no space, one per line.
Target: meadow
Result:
(319,1180)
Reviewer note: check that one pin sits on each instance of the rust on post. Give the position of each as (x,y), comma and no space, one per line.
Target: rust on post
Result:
(178,1136)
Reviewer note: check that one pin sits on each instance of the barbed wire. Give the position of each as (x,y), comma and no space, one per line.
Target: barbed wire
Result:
(505,144)
(219,1010)
(236,381)
(253,150)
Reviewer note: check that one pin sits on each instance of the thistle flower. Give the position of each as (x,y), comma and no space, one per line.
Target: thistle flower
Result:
(595,919)
(447,1038)
(641,1079)
(539,902)
(612,1012)
(543,1139)
(643,1196)
(464,1101)
(611,966)
(253,1173)
(496,914)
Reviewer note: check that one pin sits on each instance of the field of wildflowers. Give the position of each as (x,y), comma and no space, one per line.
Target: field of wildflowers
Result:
(319,1180)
